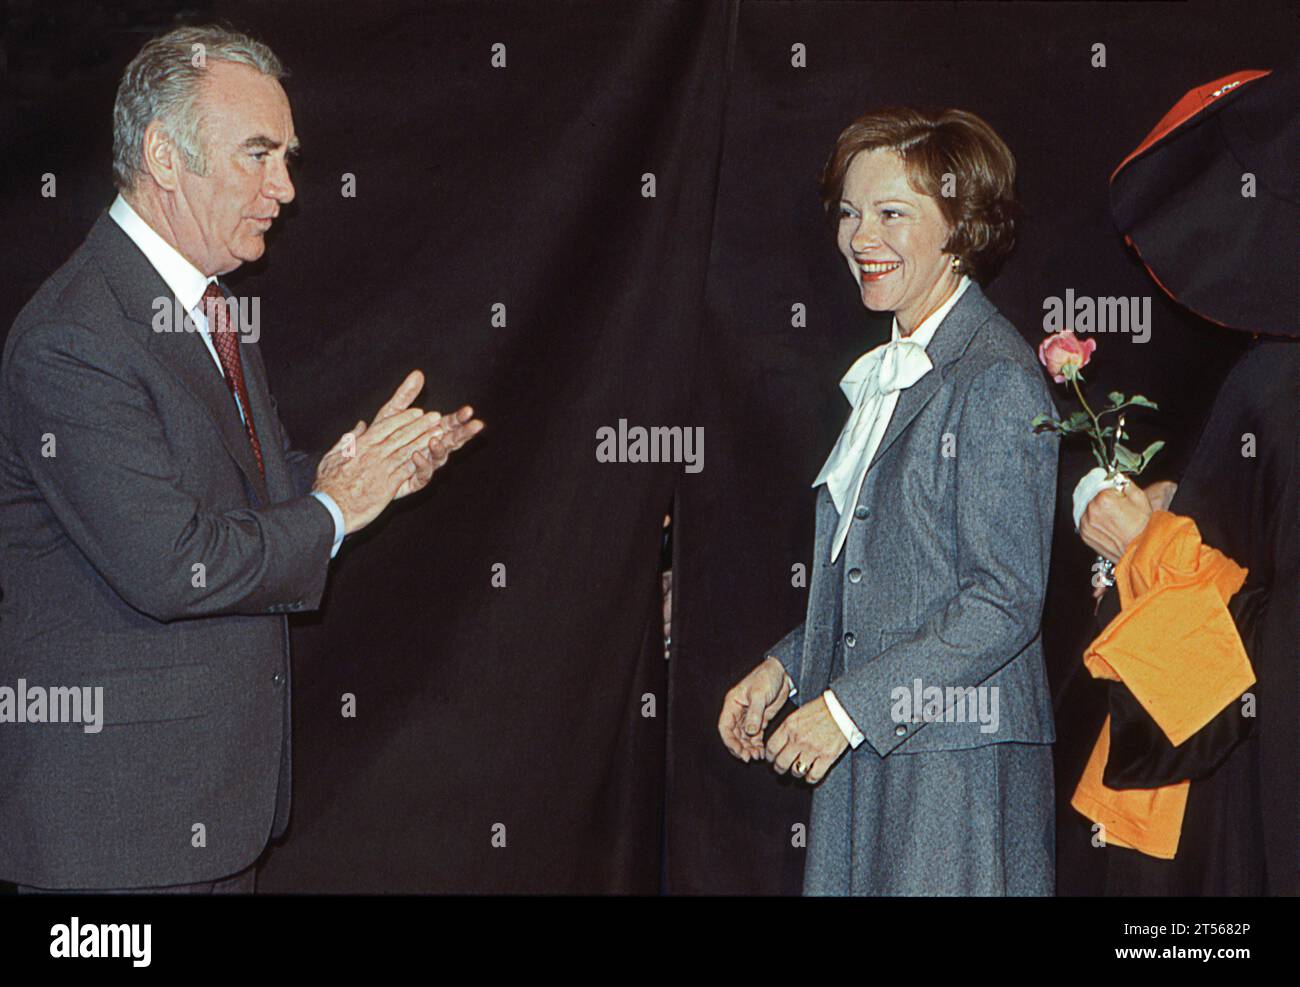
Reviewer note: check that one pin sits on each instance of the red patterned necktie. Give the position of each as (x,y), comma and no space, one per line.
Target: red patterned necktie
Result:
(226,342)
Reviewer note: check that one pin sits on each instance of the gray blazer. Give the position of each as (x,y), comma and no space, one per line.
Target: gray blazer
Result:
(941,579)
(151,476)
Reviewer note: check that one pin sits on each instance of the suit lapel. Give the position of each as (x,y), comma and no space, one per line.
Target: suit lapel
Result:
(279,483)
(136,284)
(950,341)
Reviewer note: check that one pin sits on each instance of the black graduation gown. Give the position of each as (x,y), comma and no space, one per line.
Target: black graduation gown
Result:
(1239,834)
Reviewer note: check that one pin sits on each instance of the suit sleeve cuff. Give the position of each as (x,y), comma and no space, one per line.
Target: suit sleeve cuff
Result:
(337,515)
(842,720)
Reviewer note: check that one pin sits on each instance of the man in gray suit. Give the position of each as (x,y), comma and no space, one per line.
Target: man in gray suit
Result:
(921,655)
(155,526)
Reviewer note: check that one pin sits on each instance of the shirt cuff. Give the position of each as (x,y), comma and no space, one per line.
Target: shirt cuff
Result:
(842,720)
(337,515)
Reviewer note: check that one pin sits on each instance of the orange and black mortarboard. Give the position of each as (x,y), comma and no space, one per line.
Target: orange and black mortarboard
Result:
(1179,200)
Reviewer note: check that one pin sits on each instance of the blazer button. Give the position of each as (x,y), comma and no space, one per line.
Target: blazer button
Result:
(277,679)
(850,639)
(855,575)
(861,513)
(900,731)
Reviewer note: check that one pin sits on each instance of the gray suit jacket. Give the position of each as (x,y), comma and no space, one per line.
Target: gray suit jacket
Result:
(942,577)
(944,571)
(142,551)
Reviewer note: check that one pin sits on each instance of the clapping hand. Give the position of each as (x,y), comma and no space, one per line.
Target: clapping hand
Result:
(394,456)
(448,434)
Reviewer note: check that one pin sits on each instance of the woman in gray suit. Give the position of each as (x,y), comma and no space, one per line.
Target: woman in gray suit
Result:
(920,655)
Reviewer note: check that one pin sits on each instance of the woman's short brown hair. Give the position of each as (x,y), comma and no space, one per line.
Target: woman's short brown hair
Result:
(981,206)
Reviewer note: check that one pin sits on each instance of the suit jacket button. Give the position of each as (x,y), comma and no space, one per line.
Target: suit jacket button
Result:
(861,513)
(900,731)
(850,639)
(277,679)
(855,575)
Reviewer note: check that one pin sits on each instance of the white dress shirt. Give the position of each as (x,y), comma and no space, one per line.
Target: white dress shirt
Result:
(857,445)
(188,284)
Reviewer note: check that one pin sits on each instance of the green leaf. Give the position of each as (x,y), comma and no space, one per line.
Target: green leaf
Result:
(1142,402)
(1116,398)
(1126,459)
(1149,453)
(1077,420)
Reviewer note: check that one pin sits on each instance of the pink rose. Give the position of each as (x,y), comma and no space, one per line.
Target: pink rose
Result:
(1062,351)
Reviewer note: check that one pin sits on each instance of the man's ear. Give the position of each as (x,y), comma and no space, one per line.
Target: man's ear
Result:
(162,158)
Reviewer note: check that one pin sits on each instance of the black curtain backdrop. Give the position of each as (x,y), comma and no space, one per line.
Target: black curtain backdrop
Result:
(546,706)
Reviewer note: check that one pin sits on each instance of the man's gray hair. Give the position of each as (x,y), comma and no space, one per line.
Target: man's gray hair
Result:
(164,81)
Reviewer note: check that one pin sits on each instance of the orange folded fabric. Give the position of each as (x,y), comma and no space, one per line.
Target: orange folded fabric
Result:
(1149,820)
(1176,648)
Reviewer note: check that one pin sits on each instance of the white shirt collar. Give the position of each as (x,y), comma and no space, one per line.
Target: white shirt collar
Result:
(926,330)
(185,280)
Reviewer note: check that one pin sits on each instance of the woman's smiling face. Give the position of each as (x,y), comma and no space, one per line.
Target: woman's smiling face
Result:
(892,238)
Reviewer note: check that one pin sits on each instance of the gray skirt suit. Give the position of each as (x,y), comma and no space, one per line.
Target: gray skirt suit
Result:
(940,583)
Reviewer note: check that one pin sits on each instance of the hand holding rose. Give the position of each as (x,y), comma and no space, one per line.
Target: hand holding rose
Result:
(1113,519)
